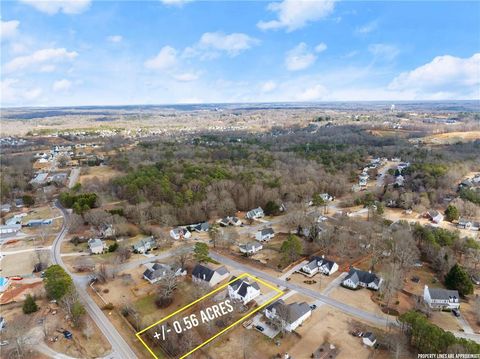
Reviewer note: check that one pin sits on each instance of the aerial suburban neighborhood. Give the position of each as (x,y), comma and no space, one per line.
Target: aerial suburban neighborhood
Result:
(288,179)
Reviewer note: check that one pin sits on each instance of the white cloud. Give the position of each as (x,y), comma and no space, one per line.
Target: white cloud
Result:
(14,93)
(320,47)
(165,59)
(211,44)
(9,29)
(299,58)
(175,2)
(314,93)
(62,85)
(52,7)
(115,38)
(40,57)
(384,51)
(186,76)
(367,28)
(268,86)
(444,77)
(295,14)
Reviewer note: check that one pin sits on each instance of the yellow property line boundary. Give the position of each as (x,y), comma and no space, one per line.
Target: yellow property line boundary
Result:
(280,293)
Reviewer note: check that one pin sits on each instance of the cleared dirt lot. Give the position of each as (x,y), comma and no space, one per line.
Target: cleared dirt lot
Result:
(103,173)
(360,298)
(329,326)
(18,264)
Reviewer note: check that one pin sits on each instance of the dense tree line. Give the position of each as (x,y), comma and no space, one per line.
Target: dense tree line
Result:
(429,338)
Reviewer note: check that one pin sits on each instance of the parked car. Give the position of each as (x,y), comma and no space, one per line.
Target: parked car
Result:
(456,312)
(67,334)
(313,307)
(3,343)
(259,328)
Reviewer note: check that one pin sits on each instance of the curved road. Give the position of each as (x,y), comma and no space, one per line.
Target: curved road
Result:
(120,348)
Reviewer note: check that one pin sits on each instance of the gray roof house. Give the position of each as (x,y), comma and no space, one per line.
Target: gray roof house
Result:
(255,213)
(292,315)
(356,278)
(205,274)
(438,298)
(264,234)
(144,245)
(158,271)
(96,245)
(251,247)
(199,227)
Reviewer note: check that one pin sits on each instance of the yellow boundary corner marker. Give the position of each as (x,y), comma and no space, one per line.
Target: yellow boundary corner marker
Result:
(280,293)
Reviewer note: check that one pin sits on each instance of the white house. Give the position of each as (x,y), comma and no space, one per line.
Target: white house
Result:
(212,277)
(10,230)
(230,221)
(291,315)
(369,339)
(320,264)
(242,290)
(96,246)
(251,247)
(264,234)
(438,298)
(255,213)
(180,233)
(399,181)
(144,245)
(326,197)
(464,223)
(435,216)
(356,278)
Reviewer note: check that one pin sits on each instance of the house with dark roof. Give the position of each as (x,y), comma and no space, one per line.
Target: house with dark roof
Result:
(242,290)
(265,234)
(358,278)
(438,298)
(291,315)
(199,227)
(369,339)
(210,276)
(158,271)
(319,264)
(250,248)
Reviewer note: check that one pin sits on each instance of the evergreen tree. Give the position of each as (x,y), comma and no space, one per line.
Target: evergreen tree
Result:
(271,208)
(201,252)
(57,282)
(457,278)
(291,248)
(29,306)
(452,213)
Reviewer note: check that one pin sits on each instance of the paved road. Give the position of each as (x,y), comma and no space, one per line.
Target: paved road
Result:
(73,178)
(309,292)
(120,348)
(474,337)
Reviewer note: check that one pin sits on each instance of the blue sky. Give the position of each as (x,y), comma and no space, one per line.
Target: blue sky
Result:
(83,52)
